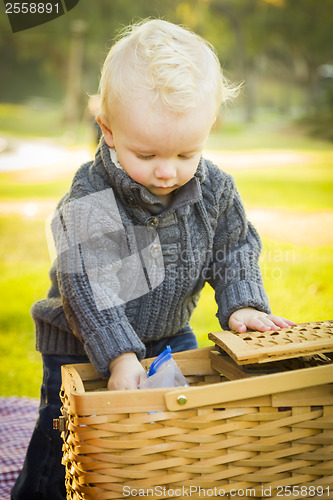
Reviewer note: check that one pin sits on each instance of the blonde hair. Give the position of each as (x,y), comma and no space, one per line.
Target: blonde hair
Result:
(179,67)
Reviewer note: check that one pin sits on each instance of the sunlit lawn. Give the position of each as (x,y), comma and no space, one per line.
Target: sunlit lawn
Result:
(298,279)
(302,188)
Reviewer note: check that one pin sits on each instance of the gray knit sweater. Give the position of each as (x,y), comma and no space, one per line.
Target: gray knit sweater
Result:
(203,236)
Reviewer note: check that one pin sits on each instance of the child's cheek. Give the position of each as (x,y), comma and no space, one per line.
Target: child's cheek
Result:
(139,175)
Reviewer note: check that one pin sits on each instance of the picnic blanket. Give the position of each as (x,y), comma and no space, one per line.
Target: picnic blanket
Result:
(17,421)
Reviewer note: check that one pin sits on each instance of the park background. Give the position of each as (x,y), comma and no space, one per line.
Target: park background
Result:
(275,139)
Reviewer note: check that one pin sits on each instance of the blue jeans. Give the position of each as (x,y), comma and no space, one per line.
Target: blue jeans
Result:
(42,476)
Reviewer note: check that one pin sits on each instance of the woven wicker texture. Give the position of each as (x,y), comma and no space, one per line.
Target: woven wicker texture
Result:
(249,446)
(233,449)
(263,347)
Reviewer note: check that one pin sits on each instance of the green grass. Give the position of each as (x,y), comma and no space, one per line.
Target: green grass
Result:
(269,132)
(24,267)
(30,121)
(298,282)
(11,190)
(301,188)
(305,186)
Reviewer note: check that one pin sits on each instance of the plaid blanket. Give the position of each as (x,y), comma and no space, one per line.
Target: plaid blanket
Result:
(17,421)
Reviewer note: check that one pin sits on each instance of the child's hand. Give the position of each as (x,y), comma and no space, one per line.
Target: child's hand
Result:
(248,317)
(126,372)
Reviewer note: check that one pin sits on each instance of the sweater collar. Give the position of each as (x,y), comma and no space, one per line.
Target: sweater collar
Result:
(134,193)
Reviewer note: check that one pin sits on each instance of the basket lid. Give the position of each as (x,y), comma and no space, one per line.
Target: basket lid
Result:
(302,339)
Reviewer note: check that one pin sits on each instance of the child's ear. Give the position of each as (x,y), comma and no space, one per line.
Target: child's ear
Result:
(107,132)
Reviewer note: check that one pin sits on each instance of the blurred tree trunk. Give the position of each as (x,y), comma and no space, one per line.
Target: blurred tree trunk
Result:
(74,81)
(303,32)
(238,13)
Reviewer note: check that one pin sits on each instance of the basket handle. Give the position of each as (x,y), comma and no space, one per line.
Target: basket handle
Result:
(72,379)
(194,397)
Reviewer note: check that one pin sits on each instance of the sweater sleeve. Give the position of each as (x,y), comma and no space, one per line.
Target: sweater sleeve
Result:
(234,272)
(91,247)
(105,334)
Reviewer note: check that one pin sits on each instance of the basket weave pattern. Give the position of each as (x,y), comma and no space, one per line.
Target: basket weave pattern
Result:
(252,448)
(262,347)
(247,444)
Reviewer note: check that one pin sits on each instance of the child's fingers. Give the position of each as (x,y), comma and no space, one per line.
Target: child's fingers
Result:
(280,321)
(237,326)
(255,320)
(122,383)
(259,322)
(263,324)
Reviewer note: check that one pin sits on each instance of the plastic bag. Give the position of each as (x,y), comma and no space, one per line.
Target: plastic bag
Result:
(164,372)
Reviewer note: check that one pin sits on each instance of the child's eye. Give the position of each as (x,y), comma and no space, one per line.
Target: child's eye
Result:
(145,157)
(185,157)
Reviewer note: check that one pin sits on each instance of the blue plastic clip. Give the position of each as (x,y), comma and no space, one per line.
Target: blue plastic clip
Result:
(161,358)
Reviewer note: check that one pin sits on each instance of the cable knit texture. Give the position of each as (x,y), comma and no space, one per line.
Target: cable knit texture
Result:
(204,237)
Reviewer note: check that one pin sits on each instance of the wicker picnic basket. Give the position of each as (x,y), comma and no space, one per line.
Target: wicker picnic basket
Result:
(267,435)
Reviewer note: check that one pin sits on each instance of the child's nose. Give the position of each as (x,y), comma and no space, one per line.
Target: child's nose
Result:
(166,170)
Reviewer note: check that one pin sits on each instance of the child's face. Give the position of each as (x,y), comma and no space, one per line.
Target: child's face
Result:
(158,148)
